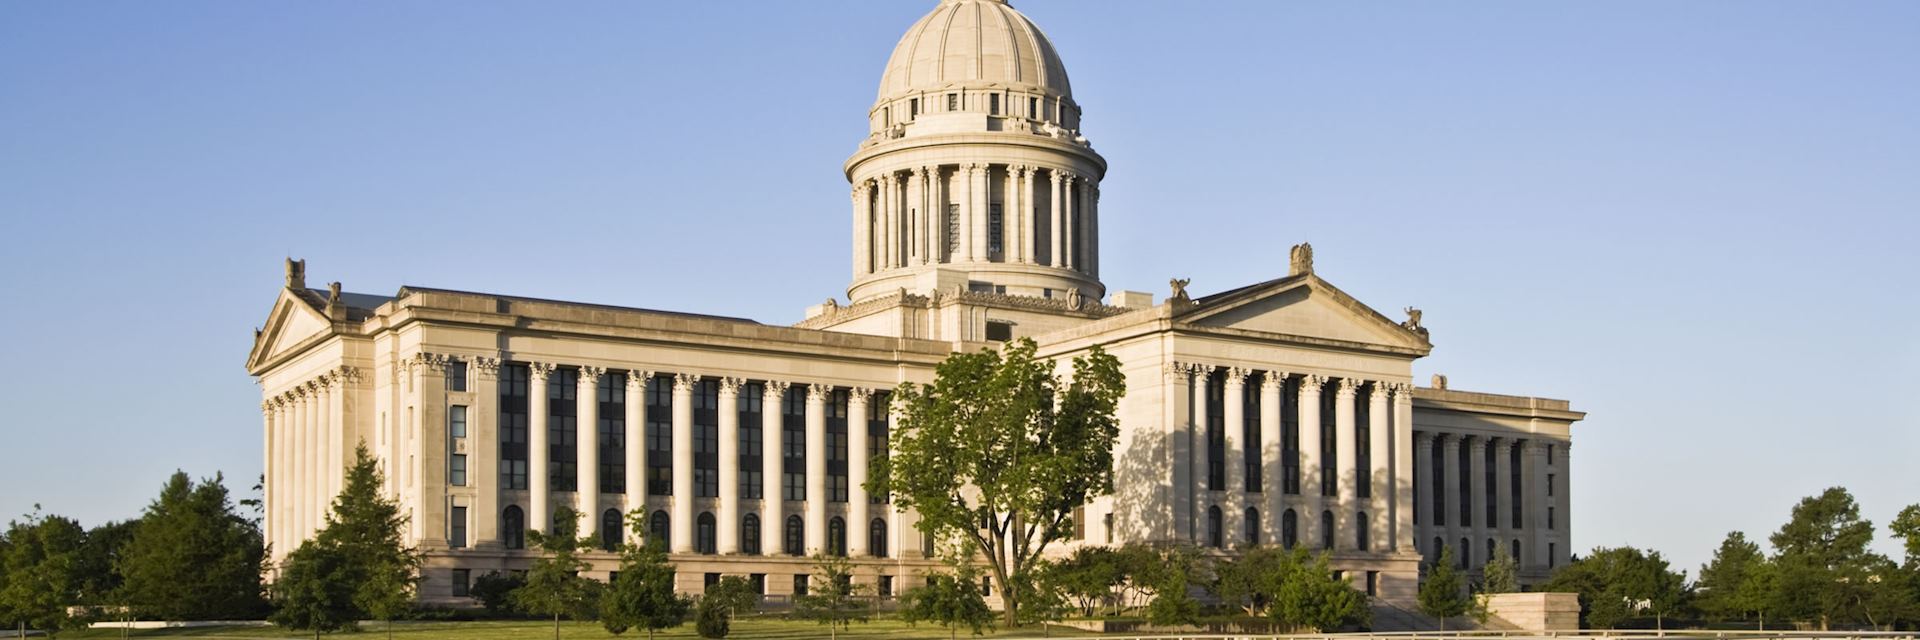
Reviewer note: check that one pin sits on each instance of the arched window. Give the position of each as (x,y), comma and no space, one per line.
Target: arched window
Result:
(610,530)
(1360,531)
(1214,535)
(1326,530)
(750,535)
(877,538)
(513,527)
(1253,526)
(926,545)
(660,530)
(837,536)
(1516,551)
(1289,529)
(1491,546)
(703,534)
(796,536)
(1466,554)
(1433,554)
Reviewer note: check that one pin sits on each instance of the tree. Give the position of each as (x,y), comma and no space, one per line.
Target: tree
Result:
(734,593)
(951,601)
(1443,595)
(193,557)
(42,573)
(1823,559)
(711,620)
(1172,605)
(643,595)
(1087,577)
(1501,574)
(495,590)
(832,597)
(1906,527)
(998,452)
(1616,584)
(1311,598)
(1723,588)
(100,559)
(315,590)
(357,566)
(554,587)
(1252,581)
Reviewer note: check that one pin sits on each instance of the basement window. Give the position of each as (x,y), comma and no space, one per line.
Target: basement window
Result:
(999,331)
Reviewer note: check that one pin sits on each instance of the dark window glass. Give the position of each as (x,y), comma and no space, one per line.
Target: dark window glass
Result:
(837,536)
(612,390)
(1107,520)
(999,331)
(563,433)
(456,375)
(796,536)
(462,582)
(750,534)
(953,229)
(1253,481)
(1290,437)
(914,108)
(878,411)
(799,584)
(1491,546)
(993,103)
(660,436)
(1216,431)
(457,469)
(1466,554)
(513,527)
(706,438)
(457,421)
(611,529)
(1489,481)
(1362,439)
(1329,441)
(704,534)
(1215,538)
(793,436)
(1463,464)
(752,483)
(1513,481)
(838,405)
(996,231)
(513,426)
(1252,521)
(1438,491)
(457,531)
(1289,529)
(953,102)
(1360,527)
(886,587)
(660,530)
(1326,530)
(1515,552)
(1033,108)
(877,538)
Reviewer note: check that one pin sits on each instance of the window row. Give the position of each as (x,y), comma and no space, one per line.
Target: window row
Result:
(659,531)
(1251,526)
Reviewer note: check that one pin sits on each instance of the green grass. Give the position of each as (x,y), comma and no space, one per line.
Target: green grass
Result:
(743,629)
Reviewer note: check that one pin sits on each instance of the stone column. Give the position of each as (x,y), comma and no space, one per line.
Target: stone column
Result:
(1502,486)
(1016,222)
(910,224)
(1379,465)
(269,482)
(862,230)
(1346,436)
(681,529)
(1534,459)
(1175,405)
(539,516)
(1476,502)
(1091,213)
(923,205)
(977,226)
(816,536)
(1423,486)
(726,530)
(1562,500)
(587,470)
(1233,409)
(1450,484)
(1403,474)
(1202,448)
(858,433)
(1056,239)
(1310,498)
(636,430)
(772,465)
(330,448)
(306,495)
(1028,209)
(1272,448)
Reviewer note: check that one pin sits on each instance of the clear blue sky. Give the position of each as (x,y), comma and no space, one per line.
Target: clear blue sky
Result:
(1695,220)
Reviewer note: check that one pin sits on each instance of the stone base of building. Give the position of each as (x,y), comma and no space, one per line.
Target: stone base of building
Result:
(1533,612)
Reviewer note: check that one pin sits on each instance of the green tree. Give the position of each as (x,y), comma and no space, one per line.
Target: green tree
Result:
(495,590)
(832,598)
(999,451)
(1443,595)
(361,545)
(952,601)
(1252,581)
(643,595)
(554,587)
(712,620)
(315,590)
(1617,584)
(42,573)
(193,557)
(1906,527)
(734,593)
(1310,597)
(1823,559)
(1172,604)
(1087,577)
(1722,591)
(100,560)
(1501,574)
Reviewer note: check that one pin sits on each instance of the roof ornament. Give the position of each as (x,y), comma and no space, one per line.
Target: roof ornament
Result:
(1075,299)
(1179,290)
(296,274)
(1302,259)
(1439,382)
(1413,321)
(335,310)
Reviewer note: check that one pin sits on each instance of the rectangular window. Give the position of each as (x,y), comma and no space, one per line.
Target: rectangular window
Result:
(793,427)
(1253,481)
(914,108)
(706,438)
(953,102)
(953,229)
(993,103)
(1290,438)
(886,587)
(456,375)
(462,583)
(1489,477)
(1550,522)
(1513,481)
(660,436)
(457,421)
(759,582)
(513,426)
(1033,108)
(1465,472)
(839,404)
(878,411)
(457,469)
(799,584)
(612,397)
(999,331)
(1216,426)
(1549,455)
(1108,521)
(563,433)
(457,532)
(996,231)
(1362,438)
(752,482)
(1439,483)
(1550,484)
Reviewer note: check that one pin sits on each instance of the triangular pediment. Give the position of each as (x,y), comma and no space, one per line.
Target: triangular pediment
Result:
(293,322)
(1303,306)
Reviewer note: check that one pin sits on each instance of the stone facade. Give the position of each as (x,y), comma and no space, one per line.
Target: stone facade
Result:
(1280,412)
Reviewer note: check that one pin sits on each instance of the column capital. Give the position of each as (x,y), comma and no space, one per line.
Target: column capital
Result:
(1312,382)
(818,392)
(1274,378)
(1348,387)
(539,370)
(1424,438)
(685,381)
(774,390)
(860,394)
(1175,371)
(1476,443)
(590,375)
(487,367)
(637,380)
(1237,376)
(1202,369)
(731,386)
(1382,388)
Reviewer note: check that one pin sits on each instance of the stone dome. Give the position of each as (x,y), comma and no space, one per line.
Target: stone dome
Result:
(974,43)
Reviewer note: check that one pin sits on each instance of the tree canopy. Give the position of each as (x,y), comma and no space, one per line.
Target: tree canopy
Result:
(357,566)
(951,600)
(40,573)
(193,557)
(832,597)
(643,596)
(998,451)
(1734,583)
(554,586)
(1617,584)
(1823,561)
(1443,595)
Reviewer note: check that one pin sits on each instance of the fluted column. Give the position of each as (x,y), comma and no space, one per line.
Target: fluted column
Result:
(636,429)
(1203,447)
(1423,487)
(1502,486)
(982,203)
(1347,461)
(1175,402)
(1028,229)
(858,432)
(772,465)
(1015,223)
(889,222)
(1379,468)
(1233,410)
(1056,238)
(1272,447)
(1308,409)
(681,529)
(862,231)
(539,515)
(309,458)
(1476,507)
(1450,484)
(816,537)
(727,521)
(1076,199)
(1403,474)
(587,471)
(1090,218)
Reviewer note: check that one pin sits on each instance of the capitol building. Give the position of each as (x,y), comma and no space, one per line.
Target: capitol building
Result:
(1282,412)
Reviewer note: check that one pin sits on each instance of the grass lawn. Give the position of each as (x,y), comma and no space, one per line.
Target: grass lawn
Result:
(743,629)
